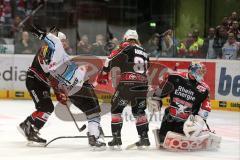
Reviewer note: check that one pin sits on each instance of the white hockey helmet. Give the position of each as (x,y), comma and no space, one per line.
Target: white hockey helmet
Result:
(130,34)
(61,36)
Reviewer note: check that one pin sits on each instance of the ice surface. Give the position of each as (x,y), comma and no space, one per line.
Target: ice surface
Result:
(13,144)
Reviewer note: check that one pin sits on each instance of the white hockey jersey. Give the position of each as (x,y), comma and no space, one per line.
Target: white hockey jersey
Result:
(69,75)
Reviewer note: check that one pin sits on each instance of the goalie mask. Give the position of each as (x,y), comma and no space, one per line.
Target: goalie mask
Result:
(197,70)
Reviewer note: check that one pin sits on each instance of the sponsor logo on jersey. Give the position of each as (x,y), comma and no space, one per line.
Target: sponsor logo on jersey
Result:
(201,88)
(185,93)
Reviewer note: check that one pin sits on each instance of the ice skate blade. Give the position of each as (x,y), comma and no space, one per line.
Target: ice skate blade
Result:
(142,147)
(21,131)
(115,148)
(35,144)
(94,148)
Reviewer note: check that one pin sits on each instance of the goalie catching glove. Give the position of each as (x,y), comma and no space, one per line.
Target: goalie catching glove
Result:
(193,126)
(154,104)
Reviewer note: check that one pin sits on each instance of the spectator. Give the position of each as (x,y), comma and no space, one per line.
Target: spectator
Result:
(7,11)
(98,46)
(15,29)
(219,40)
(226,22)
(234,16)
(2,15)
(189,48)
(199,39)
(20,8)
(167,46)
(194,48)
(111,45)
(184,45)
(115,41)
(25,45)
(231,49)
(152,46)
(235,30)
(207,48)
(83,46)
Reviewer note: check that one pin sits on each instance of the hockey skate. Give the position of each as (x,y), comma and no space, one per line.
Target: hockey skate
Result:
(116,143)
(143,143)
(96,143)
(31,134)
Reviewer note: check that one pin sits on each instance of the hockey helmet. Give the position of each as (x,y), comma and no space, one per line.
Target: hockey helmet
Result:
(61,36)
(130,34)
(197,70)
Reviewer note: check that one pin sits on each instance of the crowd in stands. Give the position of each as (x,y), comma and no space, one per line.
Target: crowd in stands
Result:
(221,42)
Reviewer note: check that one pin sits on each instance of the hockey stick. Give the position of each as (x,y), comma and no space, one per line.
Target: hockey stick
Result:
(209,129)
(65,137)
(30,15)
(79,129)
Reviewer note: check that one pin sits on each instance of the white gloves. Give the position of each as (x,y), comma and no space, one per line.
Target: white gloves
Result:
(193,126)
(154,104)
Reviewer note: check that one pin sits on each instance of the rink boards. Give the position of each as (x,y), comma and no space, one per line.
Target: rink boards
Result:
(223,78)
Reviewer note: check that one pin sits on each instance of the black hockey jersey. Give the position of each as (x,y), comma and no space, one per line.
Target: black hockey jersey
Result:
(132,60)
(39,63)
(186,96)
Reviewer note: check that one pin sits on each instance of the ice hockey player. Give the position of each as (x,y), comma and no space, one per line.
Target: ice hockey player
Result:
(38,86)
(132,88)
(187,112)
(69,81)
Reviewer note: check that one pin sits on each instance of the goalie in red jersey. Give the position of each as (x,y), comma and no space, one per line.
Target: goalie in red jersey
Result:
(185,117)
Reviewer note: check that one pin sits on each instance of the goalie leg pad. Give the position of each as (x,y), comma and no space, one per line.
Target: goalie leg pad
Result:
(179,142)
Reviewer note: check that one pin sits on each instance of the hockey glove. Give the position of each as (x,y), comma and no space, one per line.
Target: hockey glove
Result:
(193,126)
(154,104)
(37,32)
(102,78)
(62,98)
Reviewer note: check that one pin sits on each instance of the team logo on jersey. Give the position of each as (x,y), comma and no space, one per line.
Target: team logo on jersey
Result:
(201,88)
(132,77)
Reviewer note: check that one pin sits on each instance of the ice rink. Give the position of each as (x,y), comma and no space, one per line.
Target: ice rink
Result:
(13,144)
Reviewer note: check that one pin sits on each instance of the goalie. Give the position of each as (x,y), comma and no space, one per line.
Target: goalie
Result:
(182,126)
